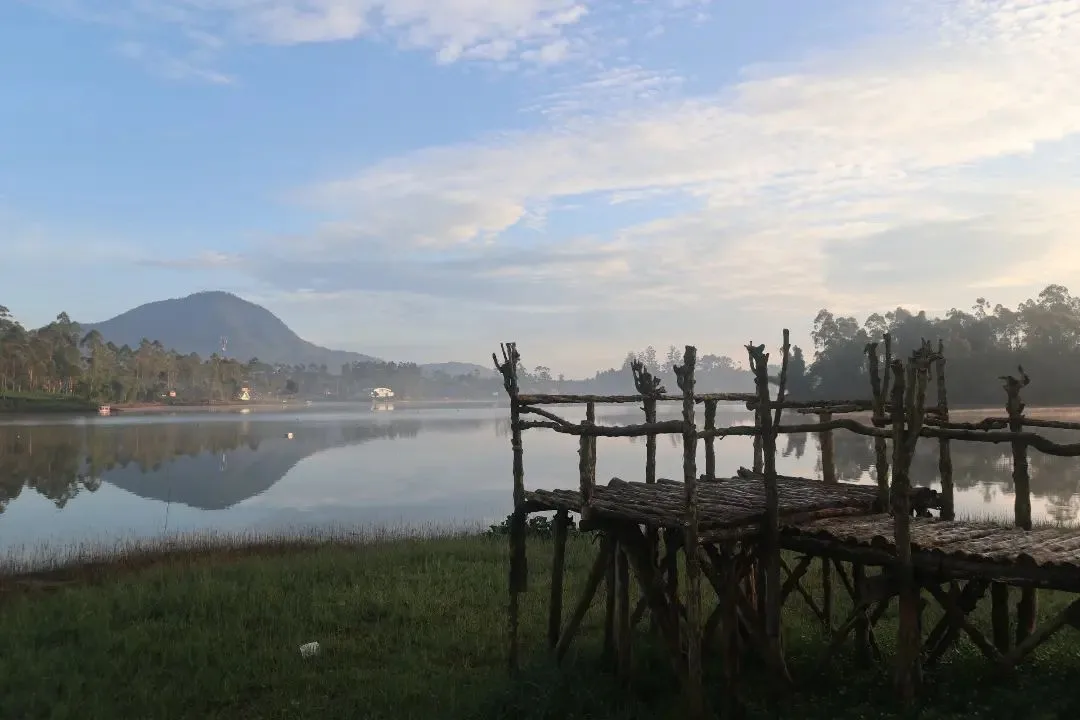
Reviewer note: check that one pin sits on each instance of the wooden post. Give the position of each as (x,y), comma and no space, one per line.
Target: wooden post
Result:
(710,442)
(518,561)
(622,614)
(825,439)
(862,624)
(999,616)
(650,441)
(558,573)
(610,590)
(695,691)
(587,460)
(879,390)
(1014,406)
(908,410)
(948,503)
(650,388)
(770,540)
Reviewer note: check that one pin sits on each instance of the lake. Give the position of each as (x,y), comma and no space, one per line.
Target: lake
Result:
(74,480)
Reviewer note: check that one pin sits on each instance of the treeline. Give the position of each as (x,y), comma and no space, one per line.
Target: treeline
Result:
(1042,334)
(60,360)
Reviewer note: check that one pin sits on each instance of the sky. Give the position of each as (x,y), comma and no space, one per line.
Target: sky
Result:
(422,179)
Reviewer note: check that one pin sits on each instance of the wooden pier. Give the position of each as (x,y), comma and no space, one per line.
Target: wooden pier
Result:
(734,532)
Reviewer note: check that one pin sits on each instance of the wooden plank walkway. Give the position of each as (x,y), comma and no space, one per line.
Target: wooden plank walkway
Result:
(728,508)
(1045,557)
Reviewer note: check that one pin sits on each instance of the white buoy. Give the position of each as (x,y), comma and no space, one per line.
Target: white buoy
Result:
(288,436)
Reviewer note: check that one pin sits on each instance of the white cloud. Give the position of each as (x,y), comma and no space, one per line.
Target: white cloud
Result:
(923,162)
(795,186)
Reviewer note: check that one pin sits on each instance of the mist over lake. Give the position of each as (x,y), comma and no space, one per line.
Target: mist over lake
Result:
(74,480)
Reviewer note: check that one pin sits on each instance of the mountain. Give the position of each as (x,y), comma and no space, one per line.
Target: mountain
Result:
(197,323)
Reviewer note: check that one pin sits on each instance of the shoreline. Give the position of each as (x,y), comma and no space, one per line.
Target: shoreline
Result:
(78,406)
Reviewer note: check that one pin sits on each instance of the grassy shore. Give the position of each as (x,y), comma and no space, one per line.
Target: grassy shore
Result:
(409,628)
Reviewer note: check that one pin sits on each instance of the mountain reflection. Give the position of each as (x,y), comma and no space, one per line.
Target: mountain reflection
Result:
(215,464)
(206,465)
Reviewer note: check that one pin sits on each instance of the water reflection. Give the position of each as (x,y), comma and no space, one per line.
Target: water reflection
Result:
(431,465)
(205,465)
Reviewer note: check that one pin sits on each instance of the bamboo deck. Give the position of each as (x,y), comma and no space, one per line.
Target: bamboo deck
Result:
(728,508)
(1048,557)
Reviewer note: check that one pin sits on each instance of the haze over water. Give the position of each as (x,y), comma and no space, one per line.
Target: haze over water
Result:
(95,479)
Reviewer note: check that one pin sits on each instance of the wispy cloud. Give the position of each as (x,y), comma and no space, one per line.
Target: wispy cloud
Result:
(856,177)
(205,260)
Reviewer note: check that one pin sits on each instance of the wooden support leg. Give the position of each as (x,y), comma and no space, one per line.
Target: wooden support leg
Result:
(592,584)
(639,611)
(1069,616)
(622,619)
(862,622)
(999,615)
(558,565)
(672,543)
(608,655)
(802,590)
(826,593)
(972,632)
(1026,611)
(962,602)
(794,575)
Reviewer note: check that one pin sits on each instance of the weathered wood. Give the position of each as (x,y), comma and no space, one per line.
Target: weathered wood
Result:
(880,448)
(587,460)
(781,391)
(972,632)
(527,409)
(945,467)
(608,648)
(770,525)
(695,694)
(634,544)
(623,638)
(676,427)
(558,573)
(592,584)
(1069,616)
(826,593)
(799,588)
(518,560)
(710,443)
(861,623)
(1027,609)
(670,565)
(999,615)
(794,576)
(962,602)
(828,462)
(908,411)
(555,399)
(649,387)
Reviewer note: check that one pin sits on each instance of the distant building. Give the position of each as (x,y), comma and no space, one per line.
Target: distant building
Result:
(245,393)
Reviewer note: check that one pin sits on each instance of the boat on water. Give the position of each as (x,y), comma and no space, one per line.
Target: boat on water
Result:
(104,410)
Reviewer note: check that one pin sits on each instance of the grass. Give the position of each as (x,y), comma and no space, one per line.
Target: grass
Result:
(408,628)
(44,403)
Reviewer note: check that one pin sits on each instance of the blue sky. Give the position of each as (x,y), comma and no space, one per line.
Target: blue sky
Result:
(420,179)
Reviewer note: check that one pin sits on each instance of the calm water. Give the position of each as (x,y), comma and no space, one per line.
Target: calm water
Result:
(98,479)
